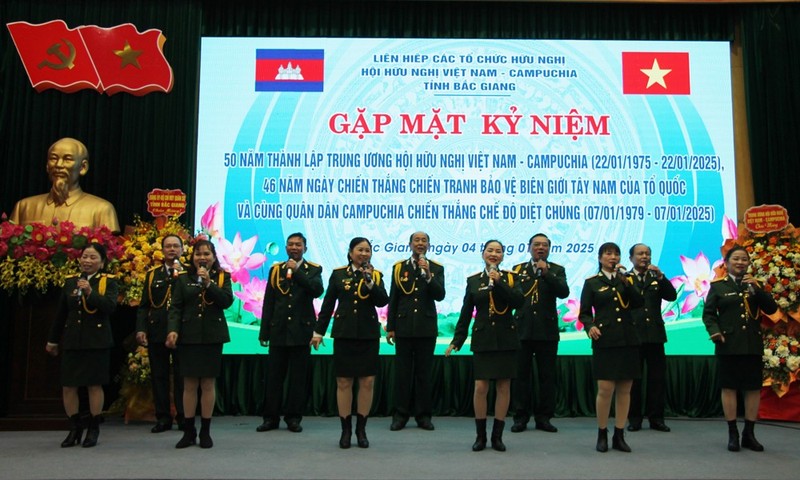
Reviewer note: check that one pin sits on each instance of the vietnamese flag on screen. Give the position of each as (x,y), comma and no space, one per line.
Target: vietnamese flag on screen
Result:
(54,56)
(129,61)
(655,73)
(289,70)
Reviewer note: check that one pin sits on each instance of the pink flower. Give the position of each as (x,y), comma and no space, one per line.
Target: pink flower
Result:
(211,221)
(383,316)
(236,257)
(730,231)
(697,280)
(252,294)
(573,313)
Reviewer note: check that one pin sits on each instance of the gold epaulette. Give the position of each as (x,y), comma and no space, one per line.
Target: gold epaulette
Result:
(311,263)
(342,267)
(399,262)
(182,272)
(108,275)
(155,268)
(73,275)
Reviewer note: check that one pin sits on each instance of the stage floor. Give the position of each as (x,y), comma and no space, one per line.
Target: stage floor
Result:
(695,449)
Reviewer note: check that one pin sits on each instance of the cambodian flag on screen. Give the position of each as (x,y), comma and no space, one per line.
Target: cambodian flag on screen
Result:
(289,70)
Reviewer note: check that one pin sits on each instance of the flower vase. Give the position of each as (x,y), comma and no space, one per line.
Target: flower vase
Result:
(785,408)
(139,404)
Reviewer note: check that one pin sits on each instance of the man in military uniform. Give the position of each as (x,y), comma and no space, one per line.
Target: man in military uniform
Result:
(287,324)
(542,282)
(151,332)
(655,287)
(417,283)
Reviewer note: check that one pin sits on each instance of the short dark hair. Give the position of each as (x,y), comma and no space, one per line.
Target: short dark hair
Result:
(735,248)
(633,247)
(539,235)
(298,235)
(411,237)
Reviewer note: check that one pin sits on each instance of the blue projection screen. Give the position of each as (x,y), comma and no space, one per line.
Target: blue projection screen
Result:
(468,140)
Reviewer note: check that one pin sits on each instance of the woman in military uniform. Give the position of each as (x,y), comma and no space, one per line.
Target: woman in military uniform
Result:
(732,317)
(358,289)
(492,294)
(606,303)
(198,327)
(82,332)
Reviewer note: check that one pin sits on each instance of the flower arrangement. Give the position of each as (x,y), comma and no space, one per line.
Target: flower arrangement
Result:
(137,369)
(781,357)
(39,256)
(141,250)
(775,261)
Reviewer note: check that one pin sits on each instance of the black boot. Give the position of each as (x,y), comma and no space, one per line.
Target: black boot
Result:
(749,438)
(75,432)
(92,431)
(480,440)
(618,440)
(733,436)
(602,440)
(205,433)
(189,434)
(497,435)
(361,431)
(347,431)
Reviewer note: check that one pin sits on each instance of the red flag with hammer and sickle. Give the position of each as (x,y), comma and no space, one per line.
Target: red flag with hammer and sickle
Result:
(54,56)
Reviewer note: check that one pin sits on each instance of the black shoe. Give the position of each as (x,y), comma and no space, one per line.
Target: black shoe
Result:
(361,431)
(733,436)
(398,423)
(205,433)
(347,431)
(602,440)
(497,435)
(480,440)
(546,426)
(636,426)
(519,426)
(294,426)
(75,432)
(269,424)
(92,432)
(749,437)
(618,441)
(425,424)
(659,426)
(161,427)
(189,437)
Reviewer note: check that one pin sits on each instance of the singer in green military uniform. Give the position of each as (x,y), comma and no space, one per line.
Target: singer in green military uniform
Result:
(81,331)
(492,295)
(198,328)
(412,325)
(732,316)
(287,325)
(151,332)
(354,291)
(542,281)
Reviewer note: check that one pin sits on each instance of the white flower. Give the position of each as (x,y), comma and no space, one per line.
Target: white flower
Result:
(774,361)
(792,363)
(782,351)
(783,303)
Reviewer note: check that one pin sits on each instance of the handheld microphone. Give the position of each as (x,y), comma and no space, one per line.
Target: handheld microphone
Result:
(422,272)
(364,273)
(620,269)
(492,268)
(199,278)
(538,271)
(175,265)
(289,273)
(751,290)
(84,276)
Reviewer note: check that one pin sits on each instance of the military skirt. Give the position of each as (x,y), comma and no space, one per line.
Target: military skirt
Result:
(355,357)
(85,367)
(202,360)
(739,372)
(494,365)
(616,363)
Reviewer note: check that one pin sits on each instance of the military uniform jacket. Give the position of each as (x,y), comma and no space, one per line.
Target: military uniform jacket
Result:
(288,315)
(355,316)
(648,319)
(537,318)
(197,314)
(412,300)
(613,301)
(151,317)
(83,322)
(494,328)
(732,311)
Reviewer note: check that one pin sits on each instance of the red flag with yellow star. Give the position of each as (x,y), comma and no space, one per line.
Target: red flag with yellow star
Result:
(54,56)
(655,73)
(129,61)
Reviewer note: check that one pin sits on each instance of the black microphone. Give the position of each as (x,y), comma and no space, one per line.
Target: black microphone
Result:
(422,272)
(538,271)
(84,276)
(364,273)
(199,278)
